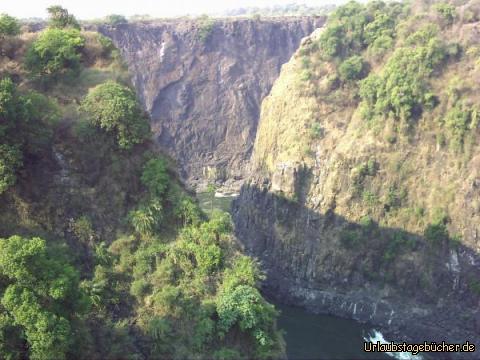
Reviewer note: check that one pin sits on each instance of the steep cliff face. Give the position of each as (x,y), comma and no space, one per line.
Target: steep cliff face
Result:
(202,81)
(374,219)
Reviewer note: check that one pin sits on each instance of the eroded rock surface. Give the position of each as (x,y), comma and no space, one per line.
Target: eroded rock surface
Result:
(203,86)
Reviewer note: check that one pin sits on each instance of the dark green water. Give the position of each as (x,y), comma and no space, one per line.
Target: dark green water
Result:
(310,336)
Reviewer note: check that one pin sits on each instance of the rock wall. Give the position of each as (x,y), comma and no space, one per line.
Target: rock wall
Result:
(203,82)
(338,213)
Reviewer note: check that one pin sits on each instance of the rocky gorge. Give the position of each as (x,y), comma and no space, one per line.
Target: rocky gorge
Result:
(371,219)
(202,82)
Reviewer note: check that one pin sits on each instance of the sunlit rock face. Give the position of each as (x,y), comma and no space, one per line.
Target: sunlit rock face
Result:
(203,85)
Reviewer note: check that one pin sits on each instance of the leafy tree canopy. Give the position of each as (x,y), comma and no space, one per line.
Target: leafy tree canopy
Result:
(60,18)
(55,52)
(9,26)
(40,296)
(114,108)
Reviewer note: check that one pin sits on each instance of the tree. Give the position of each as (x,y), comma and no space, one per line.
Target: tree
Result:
(114,108)
(188,210)
(61,19)
(447,12)
(211,190)
(9,26)
(155,177)
(40,296)
(351,69)
(10,160)
(55,52)
(12,115)
(115,19)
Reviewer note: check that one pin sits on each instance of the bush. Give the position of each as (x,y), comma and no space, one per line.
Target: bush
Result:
(114,108)
(447,12)
(351,238)
(243,305)
(381,45)
(401,89)
(351,69)
(205,28)
(436,233)
(41,296)
(56,52)
(370,198)
(9,26)
(155,177)
(353,26)
(10,160)
(316,130)
(458,121)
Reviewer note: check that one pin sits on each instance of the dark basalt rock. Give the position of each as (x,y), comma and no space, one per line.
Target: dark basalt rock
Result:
(204,95)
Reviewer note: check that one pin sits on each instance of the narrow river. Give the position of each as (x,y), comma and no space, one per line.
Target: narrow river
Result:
(310,336)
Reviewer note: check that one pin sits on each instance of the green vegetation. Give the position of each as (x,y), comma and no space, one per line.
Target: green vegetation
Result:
(115,19)
(205,27)
(9,26)
(55,53)
(22,130)
(447,12)
(459,120)
(405,73)
(351,69)
(61,19)
(114,108)
(353,28)
(316,131)
(115,259)
(42,300)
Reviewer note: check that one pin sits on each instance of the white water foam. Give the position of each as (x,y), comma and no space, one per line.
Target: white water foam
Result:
(224,195)
(377,336)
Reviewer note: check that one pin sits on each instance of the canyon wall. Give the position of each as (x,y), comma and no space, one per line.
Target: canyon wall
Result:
(347,221)
(202,82)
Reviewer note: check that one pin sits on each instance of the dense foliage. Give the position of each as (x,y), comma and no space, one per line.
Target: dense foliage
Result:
(114,108)
(56,52)
(116,260)
(401,89)
(60,18)
(41,299)
(9,26)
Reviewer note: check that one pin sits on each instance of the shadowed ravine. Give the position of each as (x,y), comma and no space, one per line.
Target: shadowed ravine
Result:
(306,266)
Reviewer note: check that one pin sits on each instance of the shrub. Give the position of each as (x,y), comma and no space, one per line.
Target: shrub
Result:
(205,27)
(316,130)
(370,198)
(56,52)
(383,25)
(9,26)
(352,68)
(10,160)
(155,177)
(353,26)
(114,108)
(401,89)
(41,296)
(447,12)
(243,305)
(436,233)
(381,45)
(458,121)
(351,238)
